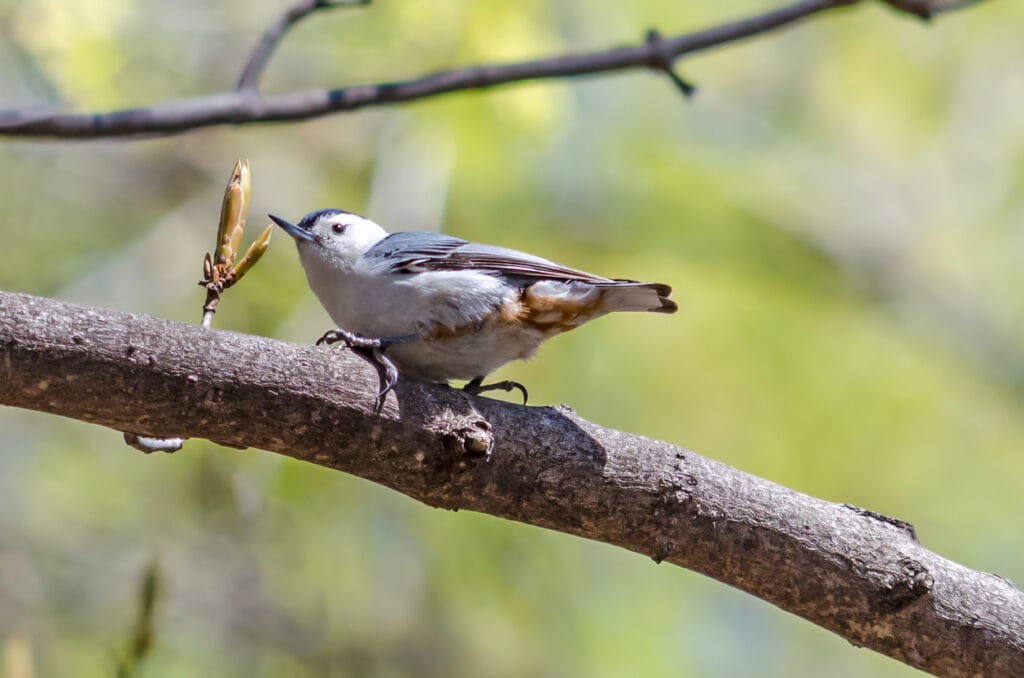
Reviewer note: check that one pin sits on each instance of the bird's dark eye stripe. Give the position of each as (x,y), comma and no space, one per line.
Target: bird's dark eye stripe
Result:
(338,228)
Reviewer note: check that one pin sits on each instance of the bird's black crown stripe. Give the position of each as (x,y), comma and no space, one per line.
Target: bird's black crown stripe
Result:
(311,218)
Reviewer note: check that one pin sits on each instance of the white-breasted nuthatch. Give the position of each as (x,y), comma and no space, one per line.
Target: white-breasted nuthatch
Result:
(443,308)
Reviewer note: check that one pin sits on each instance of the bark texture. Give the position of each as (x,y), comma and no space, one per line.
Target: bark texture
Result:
(857,573)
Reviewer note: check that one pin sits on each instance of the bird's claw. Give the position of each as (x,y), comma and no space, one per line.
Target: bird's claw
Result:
(476,387)
(372,351)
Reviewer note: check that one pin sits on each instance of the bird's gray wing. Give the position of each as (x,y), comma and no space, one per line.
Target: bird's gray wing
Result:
(419,252)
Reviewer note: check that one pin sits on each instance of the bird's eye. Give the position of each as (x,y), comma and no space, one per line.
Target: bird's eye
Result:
(338,228)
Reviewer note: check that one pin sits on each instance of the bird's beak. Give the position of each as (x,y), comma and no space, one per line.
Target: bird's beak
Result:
(292,230)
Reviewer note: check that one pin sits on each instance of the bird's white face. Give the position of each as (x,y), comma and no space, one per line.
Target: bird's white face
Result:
(336,237)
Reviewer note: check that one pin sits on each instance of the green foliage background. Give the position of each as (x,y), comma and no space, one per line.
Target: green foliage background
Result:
(839,211)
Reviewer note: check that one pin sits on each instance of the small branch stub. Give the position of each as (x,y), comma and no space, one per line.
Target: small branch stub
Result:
(148,444)
(922,9)
(665,62)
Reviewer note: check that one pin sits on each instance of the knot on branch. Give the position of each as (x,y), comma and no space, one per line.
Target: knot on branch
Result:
(465,439)
(663,59)
(470,438)
(913,582)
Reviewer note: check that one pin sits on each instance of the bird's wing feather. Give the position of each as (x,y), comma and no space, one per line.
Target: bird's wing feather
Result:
(419,252)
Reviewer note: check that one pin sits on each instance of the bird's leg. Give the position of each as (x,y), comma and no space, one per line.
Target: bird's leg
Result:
(371,350)
(387,374)
(477,386)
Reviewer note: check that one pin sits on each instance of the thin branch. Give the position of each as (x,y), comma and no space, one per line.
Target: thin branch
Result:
(143,634)
(247,107)
(859,574)
(940,6)
(249,80)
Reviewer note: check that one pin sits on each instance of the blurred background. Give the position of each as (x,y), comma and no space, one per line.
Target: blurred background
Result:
(838,210)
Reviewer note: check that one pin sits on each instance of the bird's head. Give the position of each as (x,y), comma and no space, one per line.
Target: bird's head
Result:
(333,235)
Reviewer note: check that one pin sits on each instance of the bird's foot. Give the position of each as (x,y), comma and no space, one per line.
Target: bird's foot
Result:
(372,351)
(350,339)
(476,387)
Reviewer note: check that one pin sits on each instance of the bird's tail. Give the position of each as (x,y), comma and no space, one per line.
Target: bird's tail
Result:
(627,295)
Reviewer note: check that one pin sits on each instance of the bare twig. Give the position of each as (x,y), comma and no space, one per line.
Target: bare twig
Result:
(246,107)
(852,571)
(142,638)
(940,6)
(927,9)
(249,80)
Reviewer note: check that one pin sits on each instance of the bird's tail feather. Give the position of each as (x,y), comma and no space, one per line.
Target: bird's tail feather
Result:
(626,295)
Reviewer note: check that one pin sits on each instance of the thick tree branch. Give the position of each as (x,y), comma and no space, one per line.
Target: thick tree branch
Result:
(246,106)
(856,573)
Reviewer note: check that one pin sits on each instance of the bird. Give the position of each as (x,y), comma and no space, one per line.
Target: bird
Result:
(433,307)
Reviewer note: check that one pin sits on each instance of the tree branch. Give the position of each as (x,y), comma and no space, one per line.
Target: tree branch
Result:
(246,106)
(849,570)
(250,77)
